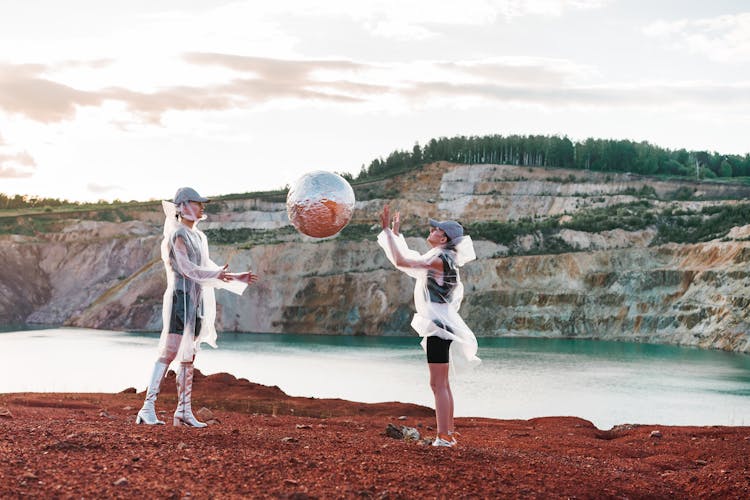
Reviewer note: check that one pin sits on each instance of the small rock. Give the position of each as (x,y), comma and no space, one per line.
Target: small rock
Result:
(410,433)
(120,482)
(402,417)
(104,413)
(289,439)
(624,427)
(701,462)
(5,413)
(129,390)
(182,446)
(205,414)
(128,408)
(393,432)
(213,421)
(303,426)
(655,434)
(291,482)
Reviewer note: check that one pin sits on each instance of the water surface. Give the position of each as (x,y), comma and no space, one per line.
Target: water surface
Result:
(608,383)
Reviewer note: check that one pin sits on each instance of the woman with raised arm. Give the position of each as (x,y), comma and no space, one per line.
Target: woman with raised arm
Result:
(449,343)
(189,305)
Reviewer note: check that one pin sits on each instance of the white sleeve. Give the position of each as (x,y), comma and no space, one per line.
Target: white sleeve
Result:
(386,237)
(189,269)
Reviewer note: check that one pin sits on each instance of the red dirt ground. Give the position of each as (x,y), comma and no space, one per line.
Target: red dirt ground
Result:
(266,444)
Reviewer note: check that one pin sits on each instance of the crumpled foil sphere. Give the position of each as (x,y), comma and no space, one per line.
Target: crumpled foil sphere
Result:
(320,204)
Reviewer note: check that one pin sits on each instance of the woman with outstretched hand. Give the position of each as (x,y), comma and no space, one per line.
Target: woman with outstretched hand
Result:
(449,342)
(189,306)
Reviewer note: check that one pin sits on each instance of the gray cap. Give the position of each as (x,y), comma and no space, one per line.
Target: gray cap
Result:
(451,228)
(188,194)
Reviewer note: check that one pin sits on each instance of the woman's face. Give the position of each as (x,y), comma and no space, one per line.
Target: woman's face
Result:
(192,210)
(198,208)
(437,237)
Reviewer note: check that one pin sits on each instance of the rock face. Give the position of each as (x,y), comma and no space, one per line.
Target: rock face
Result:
(618,285)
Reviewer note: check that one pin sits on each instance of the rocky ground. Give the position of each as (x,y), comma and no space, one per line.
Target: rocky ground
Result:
(263,443)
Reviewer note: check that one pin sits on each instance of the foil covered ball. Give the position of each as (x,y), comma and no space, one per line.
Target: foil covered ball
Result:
(320,204)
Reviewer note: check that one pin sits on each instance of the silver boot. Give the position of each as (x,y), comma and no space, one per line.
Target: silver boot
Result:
(147,414)
(183,415)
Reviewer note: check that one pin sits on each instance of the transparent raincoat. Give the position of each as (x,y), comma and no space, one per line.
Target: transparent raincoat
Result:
(191,279)
(438,318)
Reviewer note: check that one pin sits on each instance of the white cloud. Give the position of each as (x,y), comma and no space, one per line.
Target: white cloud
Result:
(417,19)
(251,82)
(15,164)
(512,8)
(100,189)
(723,38)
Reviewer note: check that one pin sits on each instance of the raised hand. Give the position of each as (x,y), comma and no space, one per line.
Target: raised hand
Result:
(396,224)
(385,217)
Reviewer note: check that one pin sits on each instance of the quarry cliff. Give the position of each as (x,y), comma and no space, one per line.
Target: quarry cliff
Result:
(561,253)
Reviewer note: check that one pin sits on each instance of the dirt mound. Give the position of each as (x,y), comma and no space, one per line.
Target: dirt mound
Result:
(266,444)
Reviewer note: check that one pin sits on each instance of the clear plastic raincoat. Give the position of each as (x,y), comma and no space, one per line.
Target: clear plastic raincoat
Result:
(191,279)
(438,318)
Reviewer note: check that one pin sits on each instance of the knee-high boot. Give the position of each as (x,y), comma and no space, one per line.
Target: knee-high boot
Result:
(147,414)
(183,415)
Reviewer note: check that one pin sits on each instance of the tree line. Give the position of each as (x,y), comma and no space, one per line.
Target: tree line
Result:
(605,155)
(25,201)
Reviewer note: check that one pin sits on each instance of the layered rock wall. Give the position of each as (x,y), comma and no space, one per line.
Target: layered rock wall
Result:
(108,275)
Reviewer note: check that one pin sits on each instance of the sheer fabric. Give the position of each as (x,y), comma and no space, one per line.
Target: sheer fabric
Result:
(189,269)
(432,318)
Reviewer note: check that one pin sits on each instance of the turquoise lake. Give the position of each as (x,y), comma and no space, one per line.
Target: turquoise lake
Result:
(608,383)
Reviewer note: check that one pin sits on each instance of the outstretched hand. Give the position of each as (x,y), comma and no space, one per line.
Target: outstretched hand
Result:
(247,277)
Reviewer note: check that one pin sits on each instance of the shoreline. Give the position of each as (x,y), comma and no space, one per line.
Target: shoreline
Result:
(264,443)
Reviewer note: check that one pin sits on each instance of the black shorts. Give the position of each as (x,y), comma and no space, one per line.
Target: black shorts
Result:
(438,349)
(177,318)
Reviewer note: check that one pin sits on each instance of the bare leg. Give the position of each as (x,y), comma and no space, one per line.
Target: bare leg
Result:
(443,397)
(450,426)
(173,345)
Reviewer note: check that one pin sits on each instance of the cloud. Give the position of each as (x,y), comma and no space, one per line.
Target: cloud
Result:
(15,165)
(97,188)
(520,70)
(24,91)
(248,82)
(514,8)
(418,19)
(657,95)
(723,38)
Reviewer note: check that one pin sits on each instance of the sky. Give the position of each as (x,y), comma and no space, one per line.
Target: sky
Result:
(131,100)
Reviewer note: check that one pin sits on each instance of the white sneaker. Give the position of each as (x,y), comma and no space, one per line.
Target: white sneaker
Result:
(441,441)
